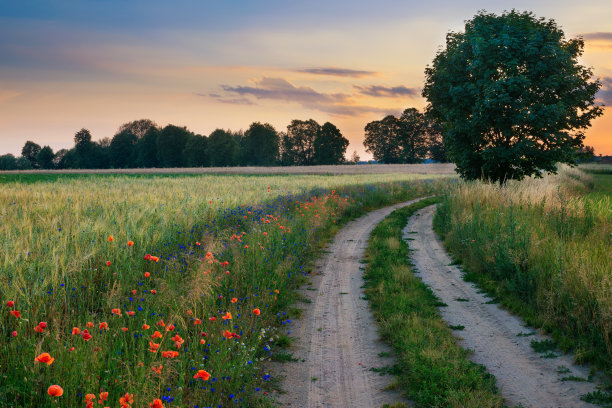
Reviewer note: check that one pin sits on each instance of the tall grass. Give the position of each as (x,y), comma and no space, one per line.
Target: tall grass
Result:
(545,248)
(225,244)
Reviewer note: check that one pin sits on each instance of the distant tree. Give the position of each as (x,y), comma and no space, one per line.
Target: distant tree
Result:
(412,136)
(355,157)
(222,148)
(122,150)
(261,145)
(8,162)
(298,144)
(195,153)
(381,139)
(45,157)
(329,145)
(30,151)
(170,145)
(59,160)
(511,96)
(84,150)
(435,141)
(137,128)
(23,164)
(585,154)
(146,149)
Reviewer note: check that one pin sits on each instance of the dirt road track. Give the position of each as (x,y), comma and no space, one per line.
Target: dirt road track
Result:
(491,332)
(336,339)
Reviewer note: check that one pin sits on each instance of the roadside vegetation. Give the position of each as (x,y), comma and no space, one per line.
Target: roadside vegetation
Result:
(430,367)
(151,291)
(543,247)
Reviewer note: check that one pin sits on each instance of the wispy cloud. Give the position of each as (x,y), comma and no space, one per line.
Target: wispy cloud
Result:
(600,35)
(605,93)
(333,71)
(384,91)
(231,101)
(281,89)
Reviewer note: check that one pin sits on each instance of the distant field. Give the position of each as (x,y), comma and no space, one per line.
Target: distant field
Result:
(435,168)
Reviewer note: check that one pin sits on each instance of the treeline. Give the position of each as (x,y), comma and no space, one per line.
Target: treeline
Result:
(144,144)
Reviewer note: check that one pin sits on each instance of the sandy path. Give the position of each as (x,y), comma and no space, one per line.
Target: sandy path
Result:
(336,338)
(491,332)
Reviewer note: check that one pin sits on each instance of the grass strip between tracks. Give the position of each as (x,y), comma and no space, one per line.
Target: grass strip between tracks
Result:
(430,367)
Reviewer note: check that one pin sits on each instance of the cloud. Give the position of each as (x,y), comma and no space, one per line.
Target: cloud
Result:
(598,36)
(283,90)
(383,91)
(231,101)
(344,72)
(605,93)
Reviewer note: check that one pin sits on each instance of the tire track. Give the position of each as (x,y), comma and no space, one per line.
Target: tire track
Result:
(337,341)
(491,332)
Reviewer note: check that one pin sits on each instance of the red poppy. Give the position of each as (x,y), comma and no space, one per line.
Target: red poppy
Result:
(161,323)
(145,327)
(212,319)
(90,397)
(147,274)
(103,396)
(202,341)
(131,313)
(130,243)
(170,354)
(89,324)
(75,331)
(197,321)
(15,313)
(170,327)
(110,238)
(234,300)
(55,391)
(116,312)
(197,243)
(127,399)
(44,358)
(153,291)
(157,369)
(10,303)
(39,329)
(157,403)
(124,329)
(256,312)
(103,325)
(14,333)
(108,263)
(153,347)
(86,336)
(147,257)
(203,374)
(156,335)
(227,316)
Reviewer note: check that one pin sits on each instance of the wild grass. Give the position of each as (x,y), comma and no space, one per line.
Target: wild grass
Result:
(544,247)
(225,244)
(431,368)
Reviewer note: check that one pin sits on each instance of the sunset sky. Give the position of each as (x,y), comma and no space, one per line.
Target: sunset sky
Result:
(69,64)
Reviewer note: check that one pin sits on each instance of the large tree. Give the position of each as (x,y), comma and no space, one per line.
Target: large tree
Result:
(195,153)
(298,143)
(412,137)
(329,145)
(381,139)
(511,96)
(146,149)
(261,144)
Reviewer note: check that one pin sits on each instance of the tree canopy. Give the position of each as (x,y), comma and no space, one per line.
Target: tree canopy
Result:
(511,96)
(329,145)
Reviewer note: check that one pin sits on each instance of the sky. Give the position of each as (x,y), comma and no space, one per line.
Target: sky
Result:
(96,64)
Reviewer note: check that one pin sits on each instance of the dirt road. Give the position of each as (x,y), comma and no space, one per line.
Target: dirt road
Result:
(336,339)
(523,376)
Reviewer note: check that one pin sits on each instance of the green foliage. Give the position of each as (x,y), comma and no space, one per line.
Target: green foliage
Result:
(30,151)
(146,149)
(329,145)
(298,144)
(511,96)
(171,142)
(430,367)
(45,158)
(196,151)
(261,143)
(123,151)
(222,148)
(399,140)
(8,162)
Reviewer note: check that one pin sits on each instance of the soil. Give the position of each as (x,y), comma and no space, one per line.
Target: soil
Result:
(498,339)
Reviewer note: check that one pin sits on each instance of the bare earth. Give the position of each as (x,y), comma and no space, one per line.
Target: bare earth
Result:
(491,332)
(336,338)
